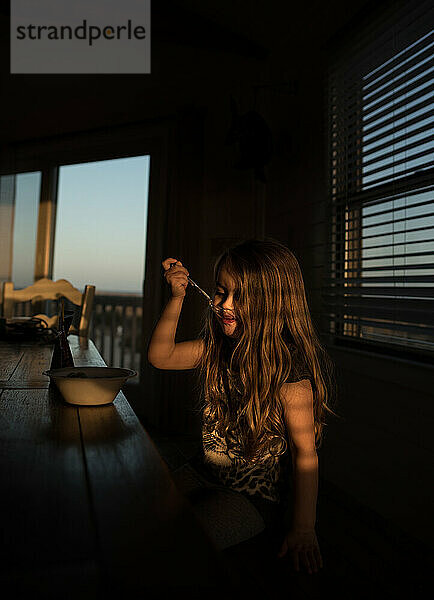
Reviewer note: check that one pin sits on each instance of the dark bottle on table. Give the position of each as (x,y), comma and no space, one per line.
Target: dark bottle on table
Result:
(62,356)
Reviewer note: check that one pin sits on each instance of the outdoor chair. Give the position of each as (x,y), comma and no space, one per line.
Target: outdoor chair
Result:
(46,289)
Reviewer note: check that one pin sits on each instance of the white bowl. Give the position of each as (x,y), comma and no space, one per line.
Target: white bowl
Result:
(96,386)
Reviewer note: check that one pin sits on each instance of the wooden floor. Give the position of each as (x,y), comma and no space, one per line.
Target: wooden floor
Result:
(364,557)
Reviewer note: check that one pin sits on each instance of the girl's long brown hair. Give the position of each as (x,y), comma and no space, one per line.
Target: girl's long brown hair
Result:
(240,380)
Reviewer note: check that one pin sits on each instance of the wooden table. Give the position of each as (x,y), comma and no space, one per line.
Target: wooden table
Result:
(89,509)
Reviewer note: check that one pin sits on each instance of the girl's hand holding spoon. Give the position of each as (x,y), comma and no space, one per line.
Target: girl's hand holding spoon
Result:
(176,276)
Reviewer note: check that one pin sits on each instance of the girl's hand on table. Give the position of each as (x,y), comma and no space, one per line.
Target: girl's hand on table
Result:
(176,276)
(303,548)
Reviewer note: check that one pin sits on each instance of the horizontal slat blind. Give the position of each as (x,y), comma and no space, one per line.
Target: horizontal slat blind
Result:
(380,282)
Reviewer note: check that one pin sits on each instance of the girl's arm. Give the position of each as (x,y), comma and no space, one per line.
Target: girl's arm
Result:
(163,352)
(298,411)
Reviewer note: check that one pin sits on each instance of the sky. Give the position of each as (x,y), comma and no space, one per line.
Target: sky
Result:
(27,188)
(101,224)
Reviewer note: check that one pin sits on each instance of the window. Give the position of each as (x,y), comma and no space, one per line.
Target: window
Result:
(381,166)
(19,204)
(101,217)
(100,239)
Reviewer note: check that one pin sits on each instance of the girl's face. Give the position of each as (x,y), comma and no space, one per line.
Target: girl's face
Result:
(224,299)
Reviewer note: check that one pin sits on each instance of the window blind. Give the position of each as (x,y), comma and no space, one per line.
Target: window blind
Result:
(380,103)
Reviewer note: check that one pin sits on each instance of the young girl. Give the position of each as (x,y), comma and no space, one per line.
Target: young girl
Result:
(265,384)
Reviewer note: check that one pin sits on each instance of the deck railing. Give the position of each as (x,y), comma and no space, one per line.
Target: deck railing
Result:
(116,330)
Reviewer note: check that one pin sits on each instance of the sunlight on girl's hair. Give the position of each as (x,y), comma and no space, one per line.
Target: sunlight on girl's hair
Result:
(243,376)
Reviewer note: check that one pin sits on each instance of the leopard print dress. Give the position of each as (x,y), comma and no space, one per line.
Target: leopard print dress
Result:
(268,479)
(239,474)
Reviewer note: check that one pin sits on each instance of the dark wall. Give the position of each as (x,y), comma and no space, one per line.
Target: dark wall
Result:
(199,51)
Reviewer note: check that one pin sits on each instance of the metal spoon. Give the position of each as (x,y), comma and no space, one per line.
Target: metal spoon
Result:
(218,310)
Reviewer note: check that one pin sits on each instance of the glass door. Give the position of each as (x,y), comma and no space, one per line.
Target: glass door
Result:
(100,239)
